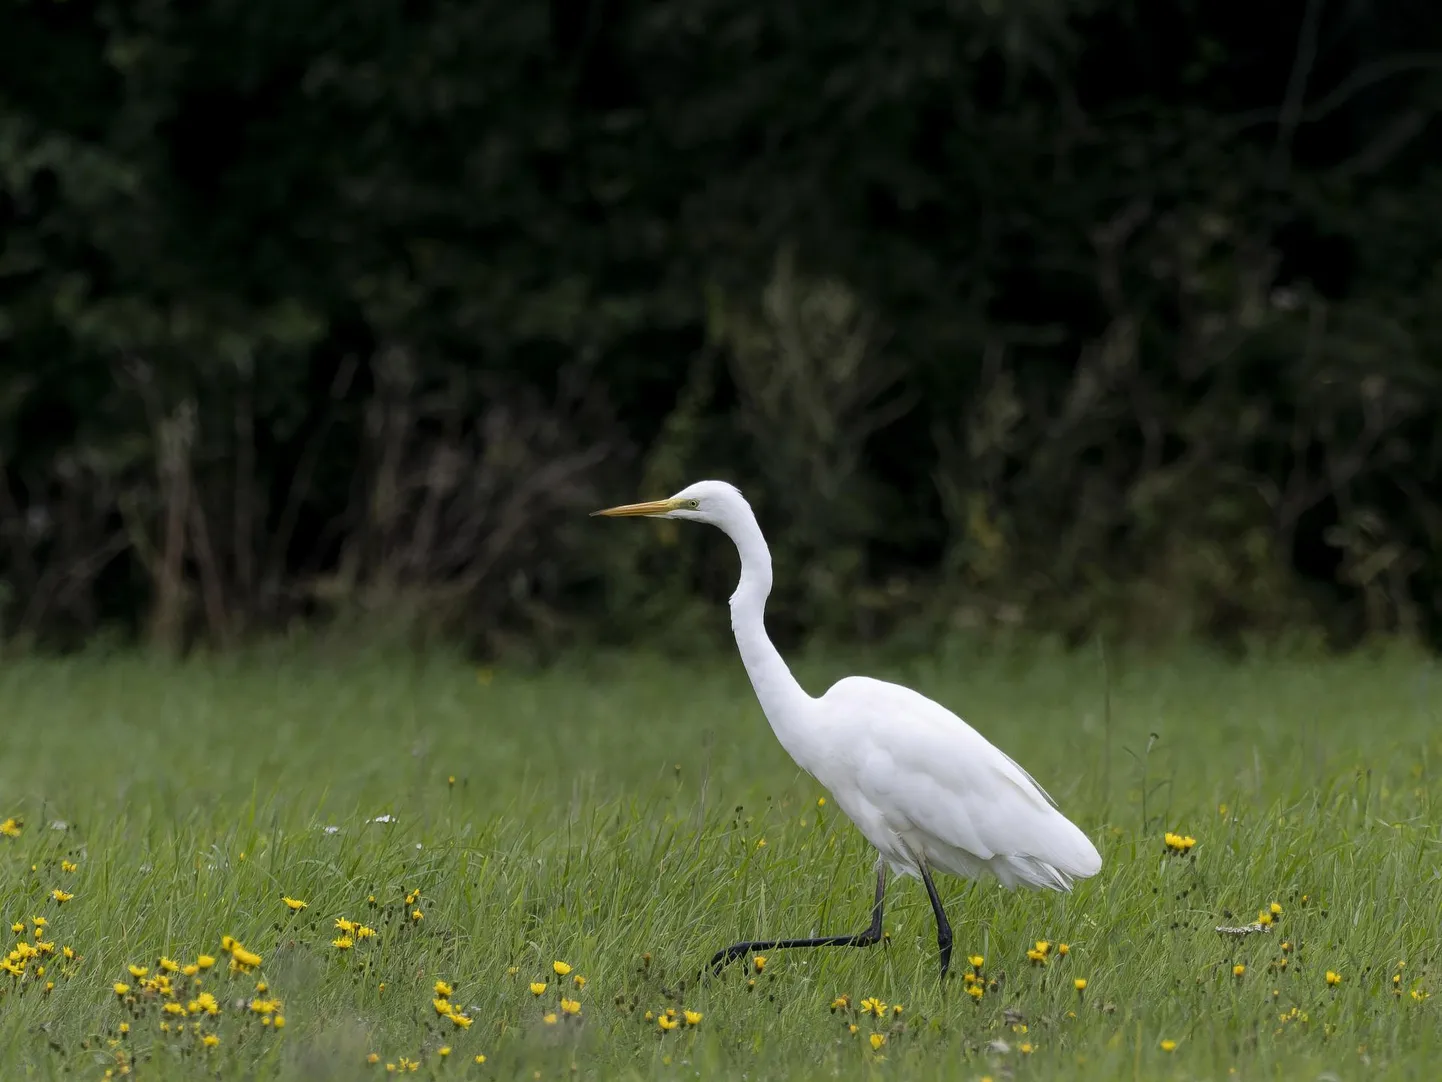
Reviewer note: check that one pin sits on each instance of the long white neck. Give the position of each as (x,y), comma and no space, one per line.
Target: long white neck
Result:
(785,703)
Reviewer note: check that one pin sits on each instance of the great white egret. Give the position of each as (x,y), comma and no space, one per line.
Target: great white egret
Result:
(924,787)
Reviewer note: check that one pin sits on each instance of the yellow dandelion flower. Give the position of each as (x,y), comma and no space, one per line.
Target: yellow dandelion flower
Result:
(342,943)
(1276,909)
(1238,969)
(120,988)
(538,988)
(480,1058)
(61,896)
(579,981)
(759,962)
(280,1021)
(138,971)
(975,991)
(18,927)
(693,1018)
(208,1003)
(1263,917)
(443,1050)
(666,1022)
(39,922)
(840,1003)
(877,1040)
(649,1016)
(1168,1045)
(1286,947)
(460,1021)
(417,915)
(373,1058)
(124,1028)
(442,1006)
(174,1008)
(210,1040)
(550,1019)
(1062,948)
(343,925)
(570,1006)
(362,932)
(190,970)
(561,968)
(1333,979)
(68,866)
(169,965)
(873,1006)
(204,961)
(1080,984)
(295,905)
(11,827)
(443,989)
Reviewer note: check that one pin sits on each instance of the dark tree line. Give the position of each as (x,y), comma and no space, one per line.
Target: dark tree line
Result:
(1069,314)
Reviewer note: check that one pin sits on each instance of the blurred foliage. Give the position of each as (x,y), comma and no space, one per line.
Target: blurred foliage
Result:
(1067,314)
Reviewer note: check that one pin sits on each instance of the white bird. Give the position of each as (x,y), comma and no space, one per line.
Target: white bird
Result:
(924,787)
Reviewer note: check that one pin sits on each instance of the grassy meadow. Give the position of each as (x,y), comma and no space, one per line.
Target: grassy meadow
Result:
(629,816)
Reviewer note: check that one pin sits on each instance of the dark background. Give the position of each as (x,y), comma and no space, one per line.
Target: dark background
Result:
(1080,316)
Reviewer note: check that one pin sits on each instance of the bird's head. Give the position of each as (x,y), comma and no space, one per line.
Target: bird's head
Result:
(713,502)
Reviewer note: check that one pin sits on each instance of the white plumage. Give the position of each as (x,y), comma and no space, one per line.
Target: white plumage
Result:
(924,787)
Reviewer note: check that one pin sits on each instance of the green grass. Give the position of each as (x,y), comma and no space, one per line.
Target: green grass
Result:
(605,811)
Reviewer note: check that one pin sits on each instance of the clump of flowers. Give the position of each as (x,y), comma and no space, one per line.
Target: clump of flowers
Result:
(242,960)
(350,933)
(34,961)
(1178,843)
(868,1011)
(564,1008)
(976,982)
(670,1018)
(168,1005)
(448,1022)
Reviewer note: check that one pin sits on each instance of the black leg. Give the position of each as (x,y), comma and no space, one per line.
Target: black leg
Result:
(872,934)
(943,926)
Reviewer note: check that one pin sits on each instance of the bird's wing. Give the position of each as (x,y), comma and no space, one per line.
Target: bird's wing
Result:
(937,774)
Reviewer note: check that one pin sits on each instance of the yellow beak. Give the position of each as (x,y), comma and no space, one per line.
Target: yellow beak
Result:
(629,510)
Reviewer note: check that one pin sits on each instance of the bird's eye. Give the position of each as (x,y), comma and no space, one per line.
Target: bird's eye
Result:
(693,504)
